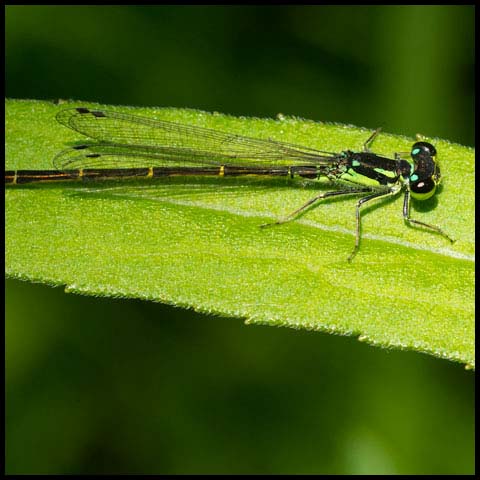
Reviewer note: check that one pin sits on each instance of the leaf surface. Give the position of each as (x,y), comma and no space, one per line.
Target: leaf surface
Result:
(196,242)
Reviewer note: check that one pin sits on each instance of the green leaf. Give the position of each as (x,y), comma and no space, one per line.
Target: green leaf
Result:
(197,243)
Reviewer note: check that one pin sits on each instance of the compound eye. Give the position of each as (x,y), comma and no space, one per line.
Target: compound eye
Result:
(424,148)
(423,189)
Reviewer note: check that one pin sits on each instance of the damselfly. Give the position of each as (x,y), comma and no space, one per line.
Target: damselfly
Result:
(130,146)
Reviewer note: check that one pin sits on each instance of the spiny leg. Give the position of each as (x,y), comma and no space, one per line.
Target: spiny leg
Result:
(370,139)
(358,217)
(406,216)
(292,215)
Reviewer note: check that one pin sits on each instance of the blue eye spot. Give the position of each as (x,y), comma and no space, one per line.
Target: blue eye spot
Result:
(413,178)
(415,151)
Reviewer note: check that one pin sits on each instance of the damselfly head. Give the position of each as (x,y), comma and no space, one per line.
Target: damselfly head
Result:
(426,173)
(423,148)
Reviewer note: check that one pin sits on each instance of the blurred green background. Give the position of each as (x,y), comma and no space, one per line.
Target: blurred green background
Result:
(114,386)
